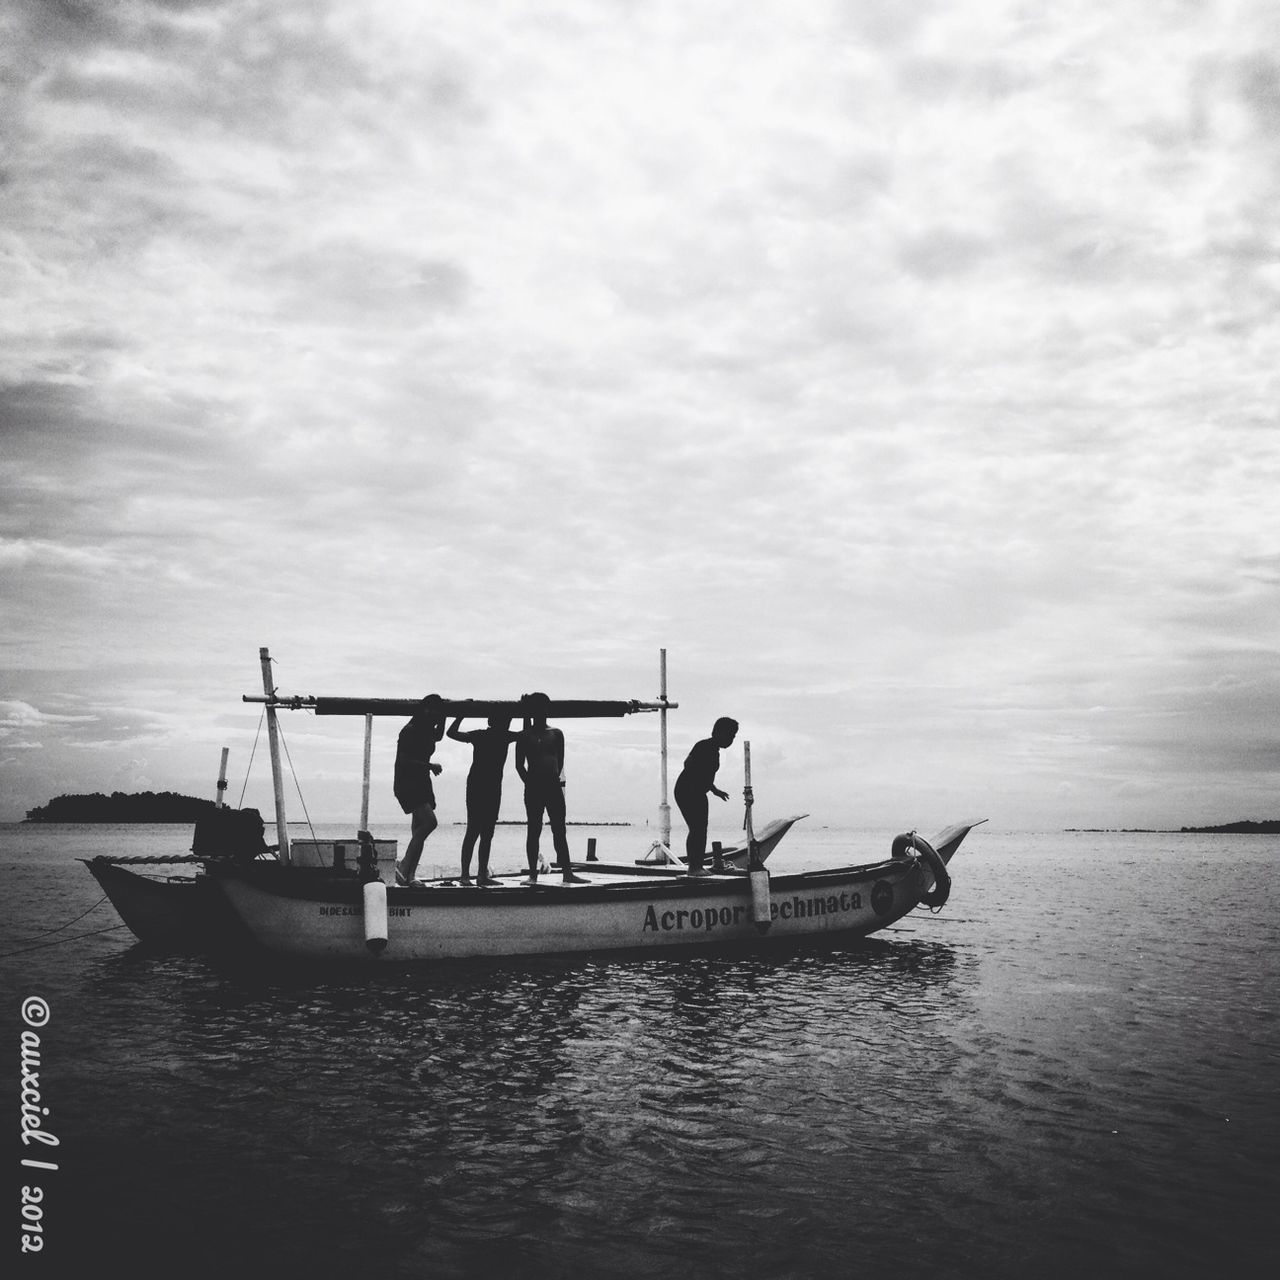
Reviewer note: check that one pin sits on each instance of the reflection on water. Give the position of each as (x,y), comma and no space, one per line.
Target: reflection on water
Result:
(1069,1070)
(531,1112)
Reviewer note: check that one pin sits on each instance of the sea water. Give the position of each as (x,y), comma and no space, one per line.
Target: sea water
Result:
(1071,1070)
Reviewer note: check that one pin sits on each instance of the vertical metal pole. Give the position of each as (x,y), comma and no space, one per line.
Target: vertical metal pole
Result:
(664,809)
(273,740)
(222,778)
(761,904)
(368,751)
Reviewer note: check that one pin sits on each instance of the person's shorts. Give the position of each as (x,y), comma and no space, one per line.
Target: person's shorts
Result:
(693,805)
(483,803)
(415,796)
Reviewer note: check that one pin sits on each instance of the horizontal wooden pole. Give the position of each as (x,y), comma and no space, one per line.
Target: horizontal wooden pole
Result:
(468,708)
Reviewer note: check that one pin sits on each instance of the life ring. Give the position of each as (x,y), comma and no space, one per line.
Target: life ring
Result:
(907,844)
(904,844)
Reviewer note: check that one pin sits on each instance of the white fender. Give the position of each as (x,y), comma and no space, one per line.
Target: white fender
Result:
(375,916)
(761,911)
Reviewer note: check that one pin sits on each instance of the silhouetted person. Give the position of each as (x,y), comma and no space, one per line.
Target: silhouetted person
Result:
(697,778)
(540,764)
(413,788)
(484,789)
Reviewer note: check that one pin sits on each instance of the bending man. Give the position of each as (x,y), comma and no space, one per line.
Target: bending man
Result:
(696,780)
(413,788)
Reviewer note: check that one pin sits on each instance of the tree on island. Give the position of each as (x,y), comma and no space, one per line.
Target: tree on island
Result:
(143,806)
(1267,827)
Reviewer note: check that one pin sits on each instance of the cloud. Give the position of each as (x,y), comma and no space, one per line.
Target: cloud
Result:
(21,716)
(906,373)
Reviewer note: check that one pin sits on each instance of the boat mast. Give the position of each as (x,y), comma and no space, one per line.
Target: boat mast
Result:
(222,779)
(664,809)
(273,740)
(748,800)
(761,905)
(368,751)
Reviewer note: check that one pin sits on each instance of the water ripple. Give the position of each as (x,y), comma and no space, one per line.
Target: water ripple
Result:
(1071,1073)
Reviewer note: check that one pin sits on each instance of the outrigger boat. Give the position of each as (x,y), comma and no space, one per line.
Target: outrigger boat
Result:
(360,913)
(316,914)
(339,900)
(187,912)
(183,912)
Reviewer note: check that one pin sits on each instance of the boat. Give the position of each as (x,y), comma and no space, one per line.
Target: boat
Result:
(360,913)
(317,914)
(340,900)
(186,912)
(183,912)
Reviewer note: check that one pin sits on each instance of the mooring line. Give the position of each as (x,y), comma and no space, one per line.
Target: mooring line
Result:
(57,928)
(57,942)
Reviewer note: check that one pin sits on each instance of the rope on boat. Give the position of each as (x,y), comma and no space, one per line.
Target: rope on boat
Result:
(73,919)
(111,928)
(139,860)
(249,769)
(297,786)
(57,928)
(119,860)
(253,751)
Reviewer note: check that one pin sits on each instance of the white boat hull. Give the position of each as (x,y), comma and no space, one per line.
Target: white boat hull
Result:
(293,912)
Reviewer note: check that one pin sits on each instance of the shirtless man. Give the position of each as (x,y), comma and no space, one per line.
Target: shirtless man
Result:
(540,764)
(484,790)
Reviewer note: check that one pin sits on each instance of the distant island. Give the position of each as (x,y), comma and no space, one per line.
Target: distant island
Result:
(142,806)
(1268,827)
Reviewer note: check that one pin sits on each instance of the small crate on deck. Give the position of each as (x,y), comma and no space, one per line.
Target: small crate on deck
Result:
(344,855)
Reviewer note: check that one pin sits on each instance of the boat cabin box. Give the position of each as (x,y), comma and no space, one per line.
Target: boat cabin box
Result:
(344,855)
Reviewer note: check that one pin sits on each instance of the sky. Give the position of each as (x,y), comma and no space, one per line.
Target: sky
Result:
(906,372)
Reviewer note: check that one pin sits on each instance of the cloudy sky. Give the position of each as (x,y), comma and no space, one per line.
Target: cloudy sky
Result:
(907,371)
